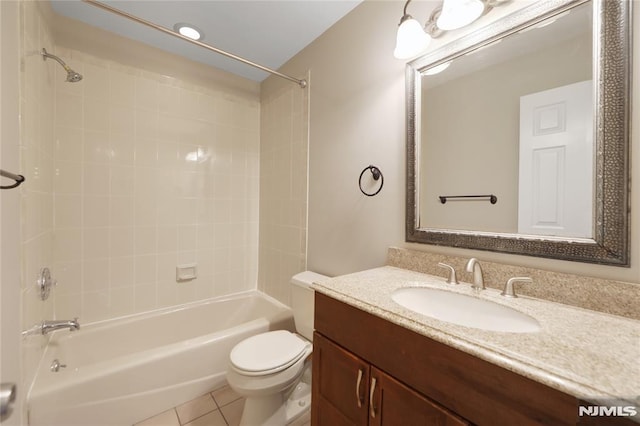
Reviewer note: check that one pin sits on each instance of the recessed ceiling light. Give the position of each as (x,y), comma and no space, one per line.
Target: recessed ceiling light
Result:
(189,30)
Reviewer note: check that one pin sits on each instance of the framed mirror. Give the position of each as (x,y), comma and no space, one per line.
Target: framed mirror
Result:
(518,135)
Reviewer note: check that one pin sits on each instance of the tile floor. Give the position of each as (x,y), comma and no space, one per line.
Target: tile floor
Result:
(221,407)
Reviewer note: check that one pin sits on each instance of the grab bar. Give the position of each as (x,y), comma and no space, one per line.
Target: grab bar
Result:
(18,178)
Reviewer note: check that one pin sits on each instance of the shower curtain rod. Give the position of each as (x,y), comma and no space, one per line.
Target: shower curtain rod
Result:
(301,83)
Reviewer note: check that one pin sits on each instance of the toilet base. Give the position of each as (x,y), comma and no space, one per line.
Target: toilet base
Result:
(271,410)
(298,406)
(267,410)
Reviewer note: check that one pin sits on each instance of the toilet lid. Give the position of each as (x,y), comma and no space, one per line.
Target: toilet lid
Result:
(268,352)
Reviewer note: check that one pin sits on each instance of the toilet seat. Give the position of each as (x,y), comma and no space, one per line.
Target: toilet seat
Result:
(268,353)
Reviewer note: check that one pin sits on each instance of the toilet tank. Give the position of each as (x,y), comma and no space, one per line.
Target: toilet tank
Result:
(302,301)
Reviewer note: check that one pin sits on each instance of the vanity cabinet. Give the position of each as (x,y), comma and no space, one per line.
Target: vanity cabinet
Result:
(417,379)
(350,391)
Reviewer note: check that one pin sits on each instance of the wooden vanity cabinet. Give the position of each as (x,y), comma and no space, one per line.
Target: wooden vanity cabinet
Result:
(349,391)
(418,381)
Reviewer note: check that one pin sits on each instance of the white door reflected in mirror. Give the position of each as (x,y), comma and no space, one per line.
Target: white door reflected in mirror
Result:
(555,194)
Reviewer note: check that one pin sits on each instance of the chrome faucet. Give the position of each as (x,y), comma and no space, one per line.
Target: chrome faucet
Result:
(509,290)
(49,326)
(452,273)
(473,265)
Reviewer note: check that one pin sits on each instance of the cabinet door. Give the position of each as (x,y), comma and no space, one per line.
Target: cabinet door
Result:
(339,384)
(393,403)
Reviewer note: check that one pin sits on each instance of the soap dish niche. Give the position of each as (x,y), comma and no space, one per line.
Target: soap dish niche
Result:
(186,272)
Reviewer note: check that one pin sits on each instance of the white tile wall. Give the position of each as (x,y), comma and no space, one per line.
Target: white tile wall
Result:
(283,189)
(37,198)
(150,172)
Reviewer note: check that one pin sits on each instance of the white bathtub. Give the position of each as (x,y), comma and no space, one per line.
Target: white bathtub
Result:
(124,370)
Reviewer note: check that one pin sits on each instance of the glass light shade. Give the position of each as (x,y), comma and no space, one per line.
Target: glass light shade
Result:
(411,39)
(459,13)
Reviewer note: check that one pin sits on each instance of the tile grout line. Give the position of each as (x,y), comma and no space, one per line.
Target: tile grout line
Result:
(219,408)
(207,413)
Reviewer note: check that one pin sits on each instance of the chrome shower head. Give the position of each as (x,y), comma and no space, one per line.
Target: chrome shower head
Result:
(72,76)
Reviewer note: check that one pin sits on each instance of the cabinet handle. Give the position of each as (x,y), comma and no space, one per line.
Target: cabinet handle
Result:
(372,409)
(358,381)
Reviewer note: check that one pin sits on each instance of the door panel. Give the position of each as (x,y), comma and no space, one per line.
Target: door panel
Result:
(394,403)
(340,383)
(556,162)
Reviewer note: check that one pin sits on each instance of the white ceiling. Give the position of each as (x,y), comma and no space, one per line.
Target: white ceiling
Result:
(268,32)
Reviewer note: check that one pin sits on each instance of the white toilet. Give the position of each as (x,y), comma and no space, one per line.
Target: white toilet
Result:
(271,369)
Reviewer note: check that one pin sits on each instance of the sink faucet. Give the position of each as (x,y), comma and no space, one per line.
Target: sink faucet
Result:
(49,326)
(452,273)
(509,290)
(473,265)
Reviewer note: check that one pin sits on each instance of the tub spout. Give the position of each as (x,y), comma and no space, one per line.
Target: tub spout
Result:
(49,326)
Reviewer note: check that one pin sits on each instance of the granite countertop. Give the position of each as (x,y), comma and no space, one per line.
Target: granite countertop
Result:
(590,355)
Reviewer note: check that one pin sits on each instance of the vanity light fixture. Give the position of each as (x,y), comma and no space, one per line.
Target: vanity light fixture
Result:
(459,13)
(189,30)
(412,39)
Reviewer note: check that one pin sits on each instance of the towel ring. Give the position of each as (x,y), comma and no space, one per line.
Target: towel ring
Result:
(18,179)
(377,174)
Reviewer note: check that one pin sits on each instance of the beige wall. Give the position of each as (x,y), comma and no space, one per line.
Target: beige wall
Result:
(357,117)
(356,104)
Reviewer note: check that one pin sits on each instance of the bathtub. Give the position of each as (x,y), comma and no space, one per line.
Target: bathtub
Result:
(124,370)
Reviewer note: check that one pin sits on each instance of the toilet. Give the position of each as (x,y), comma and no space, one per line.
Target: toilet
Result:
(271,370)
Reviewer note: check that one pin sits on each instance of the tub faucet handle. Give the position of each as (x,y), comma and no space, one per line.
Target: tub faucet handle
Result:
(56,365)
(509,289)
(452,279)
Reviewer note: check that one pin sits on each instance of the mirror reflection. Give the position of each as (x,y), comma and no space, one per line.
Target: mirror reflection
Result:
(494,122)
(513,119)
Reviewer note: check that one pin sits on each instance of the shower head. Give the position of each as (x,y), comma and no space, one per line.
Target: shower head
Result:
(72,76)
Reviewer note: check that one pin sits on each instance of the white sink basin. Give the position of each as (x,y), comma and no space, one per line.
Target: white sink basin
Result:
(464,310)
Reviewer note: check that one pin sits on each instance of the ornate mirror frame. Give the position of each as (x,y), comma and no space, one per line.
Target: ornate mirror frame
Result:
(612,84)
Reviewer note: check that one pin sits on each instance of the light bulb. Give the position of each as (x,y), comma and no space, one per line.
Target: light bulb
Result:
(411,39)
(459,13)
(188,30)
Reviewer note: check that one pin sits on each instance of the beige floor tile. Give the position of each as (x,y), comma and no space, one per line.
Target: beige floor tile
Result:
(233,411)
(214,418)
(168,418)
(196,408)
(304,420)
(224,396)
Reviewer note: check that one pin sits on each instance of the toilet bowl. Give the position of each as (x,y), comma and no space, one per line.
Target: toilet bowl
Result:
(271,370)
